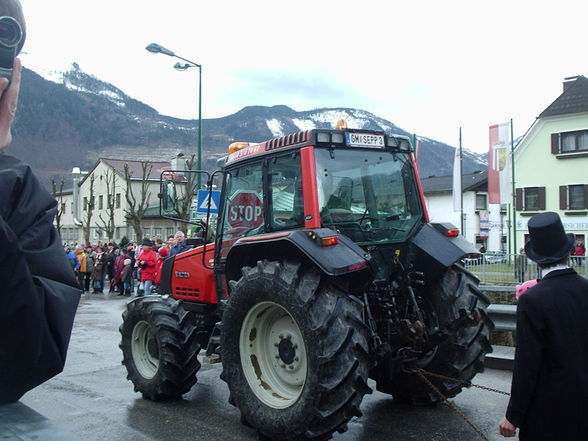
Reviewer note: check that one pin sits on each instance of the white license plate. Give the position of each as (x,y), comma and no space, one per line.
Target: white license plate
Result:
(364,140)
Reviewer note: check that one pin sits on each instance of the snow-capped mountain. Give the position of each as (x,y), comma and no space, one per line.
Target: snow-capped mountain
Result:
(69,118)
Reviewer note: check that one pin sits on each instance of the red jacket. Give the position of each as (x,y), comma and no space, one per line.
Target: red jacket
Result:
(163,253)
(148,267)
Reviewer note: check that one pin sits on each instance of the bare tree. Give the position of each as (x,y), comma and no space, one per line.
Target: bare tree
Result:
(137,204)
(57,193)
(107,225)
(89,206)
(185,196)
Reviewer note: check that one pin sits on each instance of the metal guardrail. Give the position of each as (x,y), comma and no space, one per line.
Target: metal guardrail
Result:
(511,269)
(504,317)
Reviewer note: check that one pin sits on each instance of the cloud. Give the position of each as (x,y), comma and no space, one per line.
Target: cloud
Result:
(285,87)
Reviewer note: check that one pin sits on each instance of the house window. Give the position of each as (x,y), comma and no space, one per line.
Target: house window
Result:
(157,232)
(481,202)
(117,202)
(100,202)
(530,198)
(63,208)
(573,197)
(118,232)
(85,204)
(569,142)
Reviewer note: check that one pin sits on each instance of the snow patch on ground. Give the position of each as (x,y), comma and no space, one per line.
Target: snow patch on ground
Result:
(304,124)
(331,117)
(275,127)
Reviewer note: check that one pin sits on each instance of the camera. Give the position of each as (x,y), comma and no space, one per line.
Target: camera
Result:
(10,36)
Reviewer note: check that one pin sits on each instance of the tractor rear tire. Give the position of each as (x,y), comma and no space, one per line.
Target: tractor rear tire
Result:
(460,356)
(160,347)
(294,352)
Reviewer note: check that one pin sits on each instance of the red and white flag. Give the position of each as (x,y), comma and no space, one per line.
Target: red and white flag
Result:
(499,165)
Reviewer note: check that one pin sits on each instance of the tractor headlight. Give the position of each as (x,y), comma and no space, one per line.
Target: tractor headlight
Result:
(323,137)
(337,138)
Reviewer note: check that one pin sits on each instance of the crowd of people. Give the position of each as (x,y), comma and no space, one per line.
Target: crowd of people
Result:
(134,268)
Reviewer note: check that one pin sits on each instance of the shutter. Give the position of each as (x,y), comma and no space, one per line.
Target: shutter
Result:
(519,199)
(585,196)
(555,143)
(541,198)
(563,197)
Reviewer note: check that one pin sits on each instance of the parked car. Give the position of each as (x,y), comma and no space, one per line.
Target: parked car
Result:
(473,259)
(495,257)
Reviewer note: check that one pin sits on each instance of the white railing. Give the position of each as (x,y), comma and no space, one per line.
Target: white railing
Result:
(512,269)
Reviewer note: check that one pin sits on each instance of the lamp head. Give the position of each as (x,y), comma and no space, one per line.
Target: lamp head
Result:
(181,66)
(155,48)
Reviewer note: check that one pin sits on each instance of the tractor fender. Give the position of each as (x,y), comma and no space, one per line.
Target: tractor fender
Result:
(339,259)
(435,251)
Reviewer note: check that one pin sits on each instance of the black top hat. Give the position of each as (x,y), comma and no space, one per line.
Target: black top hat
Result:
(147,242)
(549,242)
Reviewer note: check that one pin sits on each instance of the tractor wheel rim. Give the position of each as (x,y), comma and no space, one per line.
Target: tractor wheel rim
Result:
(145,350)
(273,355)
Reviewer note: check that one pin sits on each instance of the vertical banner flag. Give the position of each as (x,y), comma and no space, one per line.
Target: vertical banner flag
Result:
(457,180)
(499,174)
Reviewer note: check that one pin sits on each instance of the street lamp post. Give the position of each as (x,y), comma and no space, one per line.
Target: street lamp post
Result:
(155,48)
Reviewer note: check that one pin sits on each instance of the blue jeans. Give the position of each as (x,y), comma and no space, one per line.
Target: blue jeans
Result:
(126,287)
(147,287)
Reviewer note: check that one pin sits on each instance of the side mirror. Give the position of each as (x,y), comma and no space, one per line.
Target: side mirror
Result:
(168,195)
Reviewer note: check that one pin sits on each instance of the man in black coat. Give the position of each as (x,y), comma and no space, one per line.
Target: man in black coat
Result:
(549,391)
(39,293)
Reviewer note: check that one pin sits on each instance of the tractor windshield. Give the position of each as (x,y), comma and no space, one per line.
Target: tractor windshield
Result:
(370,196)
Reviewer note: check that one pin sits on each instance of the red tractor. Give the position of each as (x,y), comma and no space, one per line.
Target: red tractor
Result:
(324,272)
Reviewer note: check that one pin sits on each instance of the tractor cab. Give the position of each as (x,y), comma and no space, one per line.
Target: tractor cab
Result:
(358,183)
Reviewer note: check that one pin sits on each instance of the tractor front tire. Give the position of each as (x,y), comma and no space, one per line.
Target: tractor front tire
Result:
(160,348)
(294,352)
(461,355)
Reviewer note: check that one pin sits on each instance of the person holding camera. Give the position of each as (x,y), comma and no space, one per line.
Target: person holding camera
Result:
(147,262)
(39,293)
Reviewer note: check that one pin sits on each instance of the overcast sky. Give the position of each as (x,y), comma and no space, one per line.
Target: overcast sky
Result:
(427,66)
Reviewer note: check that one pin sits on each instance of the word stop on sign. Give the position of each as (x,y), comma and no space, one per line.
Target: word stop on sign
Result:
(245,210)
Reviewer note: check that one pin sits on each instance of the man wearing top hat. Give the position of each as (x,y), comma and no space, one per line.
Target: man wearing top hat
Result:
(549,393)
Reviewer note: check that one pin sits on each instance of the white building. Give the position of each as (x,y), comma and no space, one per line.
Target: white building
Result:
(484,224)
(105,186)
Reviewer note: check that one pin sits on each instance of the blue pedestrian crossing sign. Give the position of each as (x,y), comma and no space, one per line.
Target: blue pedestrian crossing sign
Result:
(206,198)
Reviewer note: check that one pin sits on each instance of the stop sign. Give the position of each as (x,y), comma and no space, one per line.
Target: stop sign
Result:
(245,210)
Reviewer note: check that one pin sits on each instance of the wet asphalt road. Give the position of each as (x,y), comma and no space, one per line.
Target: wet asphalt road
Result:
(93,400)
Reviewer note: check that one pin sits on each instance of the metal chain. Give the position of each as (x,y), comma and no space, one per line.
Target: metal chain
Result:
(467,383)
(421,373)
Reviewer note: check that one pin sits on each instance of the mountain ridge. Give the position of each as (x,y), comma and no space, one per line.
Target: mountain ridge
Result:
(74,118)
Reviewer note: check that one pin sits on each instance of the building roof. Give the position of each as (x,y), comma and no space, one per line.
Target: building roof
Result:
(574,98)
(135,168)
(64,192)
(444,184)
